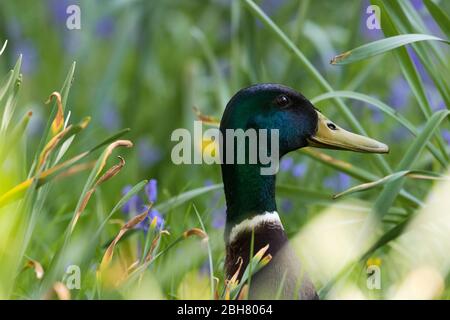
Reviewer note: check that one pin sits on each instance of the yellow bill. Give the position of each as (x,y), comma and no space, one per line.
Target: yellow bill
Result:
(331,136)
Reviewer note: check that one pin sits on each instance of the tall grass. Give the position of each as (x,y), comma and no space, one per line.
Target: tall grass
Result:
(61,191)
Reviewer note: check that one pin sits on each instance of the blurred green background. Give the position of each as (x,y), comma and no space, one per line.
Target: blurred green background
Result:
(145,64)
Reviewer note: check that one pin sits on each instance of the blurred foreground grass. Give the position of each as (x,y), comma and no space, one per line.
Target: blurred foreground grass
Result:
(143,65)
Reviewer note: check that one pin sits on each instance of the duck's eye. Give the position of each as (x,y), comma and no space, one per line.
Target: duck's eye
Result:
(332,126)
(282,100)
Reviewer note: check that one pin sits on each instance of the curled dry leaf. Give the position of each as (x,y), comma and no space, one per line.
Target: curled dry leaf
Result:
(196,232)
(55,141)
(111,172)
(205,118)
(234,279)
(58,123)
(107,257)
(51,145)
(106,176)
(154,243)
(38,270)
(109,150)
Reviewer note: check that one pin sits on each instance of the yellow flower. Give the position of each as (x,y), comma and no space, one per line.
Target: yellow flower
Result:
(374,261)
(209,147)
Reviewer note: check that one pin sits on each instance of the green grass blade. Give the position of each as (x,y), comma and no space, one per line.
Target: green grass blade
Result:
(134,190)
(110,139)
(210,261)
(391,190)
(186,196)
(419,174)
(407,20)
(65,89)
(67,85)
(307,195)
(355,172)
(11,94)
(221,91)
(381,46)
(439,15)
(411,74)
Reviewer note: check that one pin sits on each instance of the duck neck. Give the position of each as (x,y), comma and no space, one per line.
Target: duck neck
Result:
(247,192)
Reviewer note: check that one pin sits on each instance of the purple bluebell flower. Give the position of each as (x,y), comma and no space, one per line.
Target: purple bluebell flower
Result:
(151,189)
(219,218)
(29,55)
(370,34)
(137,202)
(419,66)
(159,219)
(431,92)
(299,170)
(344,180)
(377,115)
(434,97)
(134,204)
(400,93)
(286,205)
(110,117)
(71,39)
(338,182)
(23,46)
(58,8)
(271,6)
(208,183)
(399,134)
(218,214)
(440,105)
(417,4)
(286,163)
(432,26)
(204,268)
(446,136)
(148,153)
(105,27)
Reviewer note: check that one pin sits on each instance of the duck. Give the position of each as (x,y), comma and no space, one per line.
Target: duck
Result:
(251,210)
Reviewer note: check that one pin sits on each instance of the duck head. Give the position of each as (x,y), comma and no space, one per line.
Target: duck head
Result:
(299,124)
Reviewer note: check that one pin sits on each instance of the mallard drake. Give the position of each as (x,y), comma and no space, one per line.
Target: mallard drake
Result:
(250,196)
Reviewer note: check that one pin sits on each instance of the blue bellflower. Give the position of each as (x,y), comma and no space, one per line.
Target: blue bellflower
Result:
(135,205)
